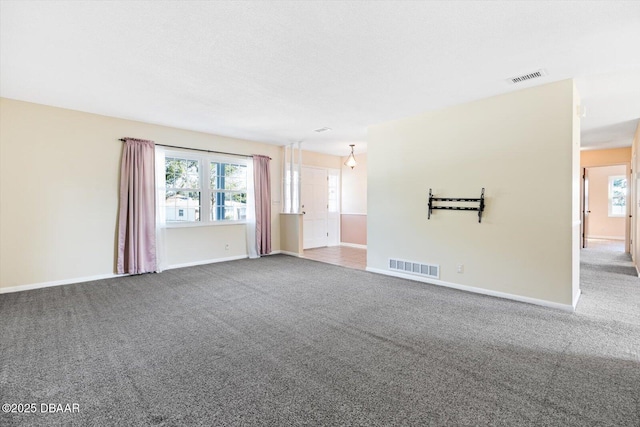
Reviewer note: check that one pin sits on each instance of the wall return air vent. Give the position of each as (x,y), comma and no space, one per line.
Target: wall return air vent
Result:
(410,267)
(523,78)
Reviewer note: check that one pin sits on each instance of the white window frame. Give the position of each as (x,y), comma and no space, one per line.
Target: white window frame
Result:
(183,155)
(613,178)
(204,164)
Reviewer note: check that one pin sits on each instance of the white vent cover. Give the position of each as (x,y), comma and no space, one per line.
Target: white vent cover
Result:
(411,267)
(523,78)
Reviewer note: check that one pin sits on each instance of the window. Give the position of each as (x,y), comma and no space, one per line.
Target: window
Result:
(617,196)
(228,183)
(204,189)
(182,194)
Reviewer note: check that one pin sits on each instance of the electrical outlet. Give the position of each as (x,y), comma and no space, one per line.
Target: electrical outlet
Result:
(226,247)
(460,268)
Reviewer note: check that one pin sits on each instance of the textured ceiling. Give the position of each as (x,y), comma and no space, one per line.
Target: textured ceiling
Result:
(275,71)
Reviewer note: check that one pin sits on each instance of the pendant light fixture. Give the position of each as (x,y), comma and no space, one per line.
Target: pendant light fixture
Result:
(351,161)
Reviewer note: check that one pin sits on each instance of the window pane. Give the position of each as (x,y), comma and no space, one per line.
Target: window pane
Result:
(182,173)
(182,206)
(229,213)
(234,184)
(236,171)
(192,166)
(213,174)
(619,191)
(229,202)
(175,168)
(229,206)
(193,180)
(617,195)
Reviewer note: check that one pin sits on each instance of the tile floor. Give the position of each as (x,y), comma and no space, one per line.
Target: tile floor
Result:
(345,256)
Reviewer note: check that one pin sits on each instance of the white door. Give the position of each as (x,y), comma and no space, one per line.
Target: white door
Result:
(333,203)
(632,209)
(314,208)
(585,206)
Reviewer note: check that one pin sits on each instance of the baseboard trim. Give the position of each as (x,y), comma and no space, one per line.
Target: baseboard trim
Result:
(63,282)
(564,307)
(105,276)
(576,297)
(607,238)
(32,286)
(206,261)
(353,245)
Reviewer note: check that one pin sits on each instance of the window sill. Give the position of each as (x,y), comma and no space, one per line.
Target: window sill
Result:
(202,224)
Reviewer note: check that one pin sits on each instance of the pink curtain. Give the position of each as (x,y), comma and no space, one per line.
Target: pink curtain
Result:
(262,184)
(136,221)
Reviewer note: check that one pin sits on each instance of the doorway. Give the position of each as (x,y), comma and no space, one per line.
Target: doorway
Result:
(605,219)
(320,207)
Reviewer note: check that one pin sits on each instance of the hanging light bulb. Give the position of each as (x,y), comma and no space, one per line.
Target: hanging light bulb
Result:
(351,161)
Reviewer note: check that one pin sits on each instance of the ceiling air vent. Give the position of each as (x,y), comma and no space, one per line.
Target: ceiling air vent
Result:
(523,78)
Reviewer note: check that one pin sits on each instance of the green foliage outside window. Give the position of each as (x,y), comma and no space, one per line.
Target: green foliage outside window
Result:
(618,198)
(185,190)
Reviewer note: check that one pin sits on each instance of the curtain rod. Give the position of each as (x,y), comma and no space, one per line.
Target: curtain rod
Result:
(199,149)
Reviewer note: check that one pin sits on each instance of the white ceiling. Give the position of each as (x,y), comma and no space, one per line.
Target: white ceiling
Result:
(275,71)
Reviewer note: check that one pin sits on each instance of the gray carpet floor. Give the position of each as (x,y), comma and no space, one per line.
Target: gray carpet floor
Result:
(285,341)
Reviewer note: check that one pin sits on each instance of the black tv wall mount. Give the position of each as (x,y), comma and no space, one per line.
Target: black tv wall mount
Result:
(479,208)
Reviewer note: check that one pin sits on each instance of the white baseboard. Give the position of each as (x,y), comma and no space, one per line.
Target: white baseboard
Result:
(550,304)
(206,261)
(353,245)
(606,237)
(105,276)
(59,283)
(576,297)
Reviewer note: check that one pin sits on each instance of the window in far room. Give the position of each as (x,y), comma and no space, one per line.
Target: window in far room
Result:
(617,196)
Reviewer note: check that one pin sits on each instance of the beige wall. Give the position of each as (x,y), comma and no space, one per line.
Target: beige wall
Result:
(354,186)
(613,156)
(319,160)
(353,229)
(525,244)
(291,233)
(353,223)
(59,174)
(600,225)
